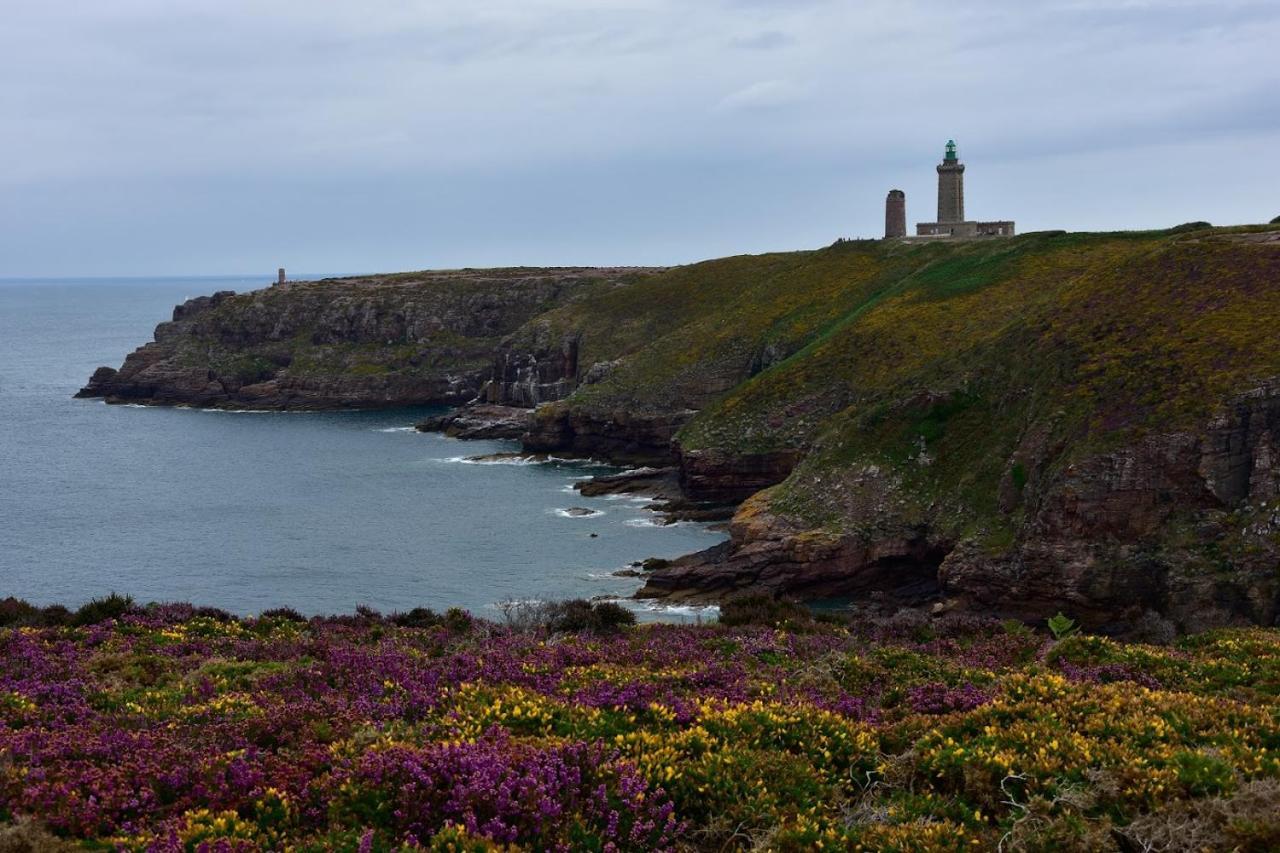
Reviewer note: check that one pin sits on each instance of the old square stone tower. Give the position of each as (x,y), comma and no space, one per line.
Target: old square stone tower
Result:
(951,221)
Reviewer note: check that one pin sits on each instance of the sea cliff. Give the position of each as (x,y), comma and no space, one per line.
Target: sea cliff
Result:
(1079,422)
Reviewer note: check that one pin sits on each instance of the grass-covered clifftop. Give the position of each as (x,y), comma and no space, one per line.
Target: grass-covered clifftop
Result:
(170,728)
(1147,329)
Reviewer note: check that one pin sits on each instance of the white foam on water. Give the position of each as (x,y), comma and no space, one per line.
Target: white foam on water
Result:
(514,602)
(608,576)
(645,522)
(578,463)
(565,513)
(705,611)
(505,460)
(396,429)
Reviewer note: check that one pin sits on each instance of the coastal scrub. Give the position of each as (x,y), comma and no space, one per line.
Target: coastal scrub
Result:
(162,729)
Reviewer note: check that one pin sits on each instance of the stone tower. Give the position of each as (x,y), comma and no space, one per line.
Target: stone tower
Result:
(895,215)
(951,186)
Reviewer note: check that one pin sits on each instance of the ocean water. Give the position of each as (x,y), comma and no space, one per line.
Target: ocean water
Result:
(247,511)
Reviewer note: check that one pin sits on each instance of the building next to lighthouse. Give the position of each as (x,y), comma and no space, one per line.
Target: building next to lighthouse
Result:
(951,221)
(895,214)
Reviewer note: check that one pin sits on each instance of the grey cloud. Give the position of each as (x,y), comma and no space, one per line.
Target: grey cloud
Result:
(556,118)
(766,40)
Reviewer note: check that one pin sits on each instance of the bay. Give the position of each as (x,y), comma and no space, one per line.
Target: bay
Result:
(247,511)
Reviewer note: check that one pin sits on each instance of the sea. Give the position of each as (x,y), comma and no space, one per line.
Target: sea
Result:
(249,510)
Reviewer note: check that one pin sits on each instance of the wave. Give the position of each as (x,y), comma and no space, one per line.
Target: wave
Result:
(645,522)
(396,429)
(700,611)
(532,459)
(568,462)
(582,513)
(609,576)
(514,602)
(484,460)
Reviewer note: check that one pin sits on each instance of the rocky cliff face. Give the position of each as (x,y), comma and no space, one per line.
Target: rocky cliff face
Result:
(411,339)
(1183,527)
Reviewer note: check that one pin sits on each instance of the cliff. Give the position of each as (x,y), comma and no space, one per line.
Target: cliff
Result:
(1084,422)
(375,341)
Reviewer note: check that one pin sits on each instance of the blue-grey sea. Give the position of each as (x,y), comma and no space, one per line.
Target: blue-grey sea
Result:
(248,511)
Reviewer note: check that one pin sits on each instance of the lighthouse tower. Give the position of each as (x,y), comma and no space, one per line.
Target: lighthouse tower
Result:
(951,186)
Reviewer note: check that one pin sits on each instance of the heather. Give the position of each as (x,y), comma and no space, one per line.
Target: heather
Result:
(168,728)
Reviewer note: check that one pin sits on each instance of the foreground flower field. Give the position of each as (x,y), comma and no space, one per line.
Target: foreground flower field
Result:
(166,729)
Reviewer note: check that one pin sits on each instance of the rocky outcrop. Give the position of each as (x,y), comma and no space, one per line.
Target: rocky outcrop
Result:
(629,437)
(531,377)
(1183,526)
(768,554)
(480,421)
(381,341)
(716,475)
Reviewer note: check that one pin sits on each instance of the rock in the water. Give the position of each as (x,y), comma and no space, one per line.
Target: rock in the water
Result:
(480,422)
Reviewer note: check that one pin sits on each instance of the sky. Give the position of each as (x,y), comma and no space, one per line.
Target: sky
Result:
(167,137)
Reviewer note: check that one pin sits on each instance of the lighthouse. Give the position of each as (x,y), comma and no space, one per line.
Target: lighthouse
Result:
(951,186)
(951,221)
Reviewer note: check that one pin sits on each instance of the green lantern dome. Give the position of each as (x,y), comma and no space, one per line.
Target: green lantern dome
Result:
(951,149)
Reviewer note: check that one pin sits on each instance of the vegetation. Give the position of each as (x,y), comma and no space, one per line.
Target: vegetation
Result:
(161,728)
(957,370)
(402,327)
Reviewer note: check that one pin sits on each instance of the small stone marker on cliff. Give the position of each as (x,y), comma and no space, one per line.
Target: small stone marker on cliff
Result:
(280,276)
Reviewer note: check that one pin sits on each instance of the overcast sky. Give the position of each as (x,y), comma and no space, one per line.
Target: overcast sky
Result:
(226,136)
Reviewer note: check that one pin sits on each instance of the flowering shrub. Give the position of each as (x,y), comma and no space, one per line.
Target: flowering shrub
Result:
(166,728)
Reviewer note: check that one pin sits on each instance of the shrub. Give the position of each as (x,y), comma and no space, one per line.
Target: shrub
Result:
(1276,221)
(98,610)
(18,612)
(766,610)
(418,617)
(217,614)
(56,614)
(1198,225)
(566,617)
(283,614)
(458,620)
(580,615)
(1249,820)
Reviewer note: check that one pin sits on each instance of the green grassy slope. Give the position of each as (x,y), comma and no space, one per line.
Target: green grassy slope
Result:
(938,360)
